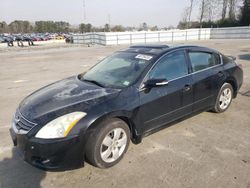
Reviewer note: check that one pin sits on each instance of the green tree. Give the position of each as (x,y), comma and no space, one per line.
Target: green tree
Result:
(3,27)
(224,9)
(145,26)
(44,26)
(88,27)
(118,28)
(61,26)
(52,27)
(20,26)
(84,28)
(106,28)
(245,13)
(155,28)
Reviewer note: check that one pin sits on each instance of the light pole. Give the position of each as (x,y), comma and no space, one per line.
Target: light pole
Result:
(84,11)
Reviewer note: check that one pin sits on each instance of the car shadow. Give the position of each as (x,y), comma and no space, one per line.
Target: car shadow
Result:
(244,57)
(14,172)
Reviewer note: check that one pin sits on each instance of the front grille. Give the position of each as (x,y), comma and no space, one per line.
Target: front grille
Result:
(22,123)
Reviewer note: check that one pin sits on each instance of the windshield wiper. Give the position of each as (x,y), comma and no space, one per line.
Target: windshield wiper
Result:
(94,82)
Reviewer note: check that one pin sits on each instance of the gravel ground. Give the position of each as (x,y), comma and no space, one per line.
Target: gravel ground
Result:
(206,150)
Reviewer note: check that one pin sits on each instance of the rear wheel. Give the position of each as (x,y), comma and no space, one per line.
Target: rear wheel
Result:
(108,143)
(224,98)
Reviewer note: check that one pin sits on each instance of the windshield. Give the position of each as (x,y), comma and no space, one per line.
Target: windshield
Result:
(119,70)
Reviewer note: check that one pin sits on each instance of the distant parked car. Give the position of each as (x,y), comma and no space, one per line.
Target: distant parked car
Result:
(36,38)
(45,37)
(7,39)
(126,96)
(28,39)
(19,39)
(1,39)
(59,37)
(68,38)
(52,36)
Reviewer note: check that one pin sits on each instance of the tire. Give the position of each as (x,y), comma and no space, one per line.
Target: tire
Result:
(224,98)
(108,144)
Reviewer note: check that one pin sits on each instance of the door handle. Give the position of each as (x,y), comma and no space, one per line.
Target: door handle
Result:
(162,83)
(187,88)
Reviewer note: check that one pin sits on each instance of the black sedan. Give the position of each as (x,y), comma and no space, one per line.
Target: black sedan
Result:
(93,116)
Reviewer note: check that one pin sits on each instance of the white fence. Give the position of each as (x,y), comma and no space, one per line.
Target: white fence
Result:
(90,38)
(153,37)
(230,33)
(112,38)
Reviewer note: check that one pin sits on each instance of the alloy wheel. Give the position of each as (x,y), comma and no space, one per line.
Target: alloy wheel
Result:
(113,145)
(225,98)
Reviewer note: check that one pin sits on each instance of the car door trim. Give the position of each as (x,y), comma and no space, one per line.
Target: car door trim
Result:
(141,87)
(158,117)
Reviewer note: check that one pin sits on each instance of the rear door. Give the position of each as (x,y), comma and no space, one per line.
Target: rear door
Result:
(206,72)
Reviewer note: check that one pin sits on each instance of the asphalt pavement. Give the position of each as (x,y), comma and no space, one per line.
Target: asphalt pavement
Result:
(206,150)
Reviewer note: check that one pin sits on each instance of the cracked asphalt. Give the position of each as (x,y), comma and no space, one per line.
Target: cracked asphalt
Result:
(206,150)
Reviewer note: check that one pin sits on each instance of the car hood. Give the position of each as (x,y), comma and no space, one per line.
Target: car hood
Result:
(63,97)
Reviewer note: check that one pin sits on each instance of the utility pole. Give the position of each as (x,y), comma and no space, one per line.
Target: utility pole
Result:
(84,11)
(190,12)
(109,22)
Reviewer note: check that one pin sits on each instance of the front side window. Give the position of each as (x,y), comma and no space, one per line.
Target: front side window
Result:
(170,67)
(203,60)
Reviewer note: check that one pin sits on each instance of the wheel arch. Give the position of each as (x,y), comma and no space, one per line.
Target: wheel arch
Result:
(122,115)
(233,83)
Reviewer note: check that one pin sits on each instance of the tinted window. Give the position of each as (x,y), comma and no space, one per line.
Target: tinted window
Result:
(170,67)
(217,59)
(119,70)
(203,60)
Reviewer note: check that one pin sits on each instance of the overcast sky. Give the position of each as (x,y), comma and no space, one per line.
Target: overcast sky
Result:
(123,12)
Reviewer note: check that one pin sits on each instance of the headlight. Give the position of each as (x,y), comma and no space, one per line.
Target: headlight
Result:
(61,126)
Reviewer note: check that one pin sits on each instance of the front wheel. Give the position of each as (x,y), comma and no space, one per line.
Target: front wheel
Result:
(224,98)
(108,143)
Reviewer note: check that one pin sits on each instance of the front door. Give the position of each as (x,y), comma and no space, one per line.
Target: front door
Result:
(166,103)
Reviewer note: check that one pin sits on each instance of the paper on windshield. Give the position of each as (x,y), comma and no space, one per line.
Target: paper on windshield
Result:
(144,57)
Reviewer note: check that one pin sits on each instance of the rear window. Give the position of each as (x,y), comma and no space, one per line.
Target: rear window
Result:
(203,60)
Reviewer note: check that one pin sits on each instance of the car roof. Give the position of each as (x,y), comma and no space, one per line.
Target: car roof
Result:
(152,46)
(147,49)
(195,47)
(161,49)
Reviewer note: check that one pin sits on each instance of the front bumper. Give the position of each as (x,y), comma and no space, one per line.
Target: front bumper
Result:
(50,154)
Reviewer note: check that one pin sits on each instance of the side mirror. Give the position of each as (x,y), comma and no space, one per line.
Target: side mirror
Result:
(155,83)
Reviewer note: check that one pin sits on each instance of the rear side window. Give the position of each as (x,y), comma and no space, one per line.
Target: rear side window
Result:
(170,67)
(203,60)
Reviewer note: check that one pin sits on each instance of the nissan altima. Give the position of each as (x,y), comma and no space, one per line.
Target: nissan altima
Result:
(134,92)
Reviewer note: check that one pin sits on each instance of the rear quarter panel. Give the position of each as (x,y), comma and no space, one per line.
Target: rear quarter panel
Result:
(234,74)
